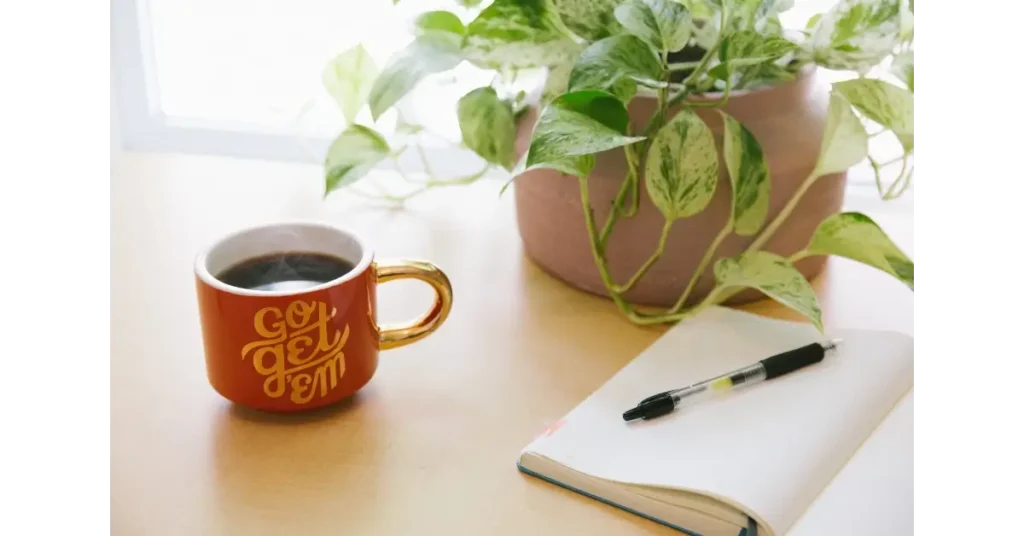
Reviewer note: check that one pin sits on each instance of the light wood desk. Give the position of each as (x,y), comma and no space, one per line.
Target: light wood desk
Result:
(429,446)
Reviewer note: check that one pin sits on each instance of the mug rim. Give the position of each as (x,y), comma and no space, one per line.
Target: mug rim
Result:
(203,273)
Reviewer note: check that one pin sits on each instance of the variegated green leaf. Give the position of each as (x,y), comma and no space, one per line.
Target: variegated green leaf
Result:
(845,142)
(773,275)
(755,52)
(749,48)
(605,63)
(888,105)
(488,126)
(518,34)
(903,68)
(772,26)
(580,166)
(440,21)
(743,14)
(578,124)
(906,22)
(351,155)
(557,82)
(767,74)
(348,79)
(856,236)
(748,173)
(590,19)
(665,24)
(856,34)
(682,166)
(430,53)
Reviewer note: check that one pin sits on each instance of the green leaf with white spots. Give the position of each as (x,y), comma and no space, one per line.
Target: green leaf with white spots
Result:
(576,125)
(580,166)
(903,68)
(748,174)
(906,23)
(755,15)
(705,34)
(604,64)
(351,155)
(773,275)
(348,79)
(557,82)
(590,19)
(440,21)
(664,24)
(772,26)
(754,51)
(518,34)
(488,126)
(855,34)
(682,166)
(884,103)
(746,47)
(430,53)
(768,74)
(845,142)
(856,236)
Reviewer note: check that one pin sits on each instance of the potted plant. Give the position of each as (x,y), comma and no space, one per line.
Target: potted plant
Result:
(680,153)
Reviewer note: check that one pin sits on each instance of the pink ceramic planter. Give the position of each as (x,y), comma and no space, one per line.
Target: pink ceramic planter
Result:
(788,120)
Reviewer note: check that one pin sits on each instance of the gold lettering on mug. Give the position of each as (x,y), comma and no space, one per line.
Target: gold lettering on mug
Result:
(300,348)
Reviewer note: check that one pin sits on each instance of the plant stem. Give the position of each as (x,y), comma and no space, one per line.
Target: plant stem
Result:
(878,175)
(726,231)
(768,231)
(710,299)
(683,66)
(775,224)
(800,255)
(634,177)
(659,117)
(426,185)
(892,188)
(613,214)
(630,184)
(650,260)
(711,51)
(715,103)
(602,267)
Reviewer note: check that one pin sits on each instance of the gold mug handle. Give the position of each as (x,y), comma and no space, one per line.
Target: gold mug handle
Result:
(395,335)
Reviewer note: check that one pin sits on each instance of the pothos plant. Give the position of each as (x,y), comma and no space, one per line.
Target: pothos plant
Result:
(600,54)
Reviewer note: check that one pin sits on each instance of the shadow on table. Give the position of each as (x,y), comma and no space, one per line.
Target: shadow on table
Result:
(268,467)
(327,413)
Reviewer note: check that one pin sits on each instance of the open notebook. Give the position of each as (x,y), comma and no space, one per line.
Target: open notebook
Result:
(800,454)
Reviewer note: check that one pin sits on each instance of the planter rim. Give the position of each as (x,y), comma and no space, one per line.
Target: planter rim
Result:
(805,73)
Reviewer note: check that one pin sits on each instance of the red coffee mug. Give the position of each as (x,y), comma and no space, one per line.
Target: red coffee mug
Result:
(308,348)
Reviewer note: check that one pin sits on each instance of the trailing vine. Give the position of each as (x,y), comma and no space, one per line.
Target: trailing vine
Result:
(600,55)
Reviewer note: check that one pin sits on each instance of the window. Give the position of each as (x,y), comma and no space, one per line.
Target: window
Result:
(242,77)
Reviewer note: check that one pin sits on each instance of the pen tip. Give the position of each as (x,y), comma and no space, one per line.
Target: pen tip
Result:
(633,414)
(832,346)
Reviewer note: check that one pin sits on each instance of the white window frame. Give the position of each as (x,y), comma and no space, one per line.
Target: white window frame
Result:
(142,125)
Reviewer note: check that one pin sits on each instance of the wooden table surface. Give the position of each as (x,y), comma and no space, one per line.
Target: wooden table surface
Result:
(429,446)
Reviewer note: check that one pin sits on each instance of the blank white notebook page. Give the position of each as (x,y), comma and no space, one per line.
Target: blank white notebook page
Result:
(874,494)
(769,449)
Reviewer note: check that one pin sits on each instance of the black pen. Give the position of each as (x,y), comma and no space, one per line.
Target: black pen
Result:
(765,369)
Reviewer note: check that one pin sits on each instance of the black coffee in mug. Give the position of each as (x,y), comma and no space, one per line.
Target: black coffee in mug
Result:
(285,271)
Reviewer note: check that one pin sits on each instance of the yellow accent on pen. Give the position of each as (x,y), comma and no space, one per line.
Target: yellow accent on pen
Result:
(722,384)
